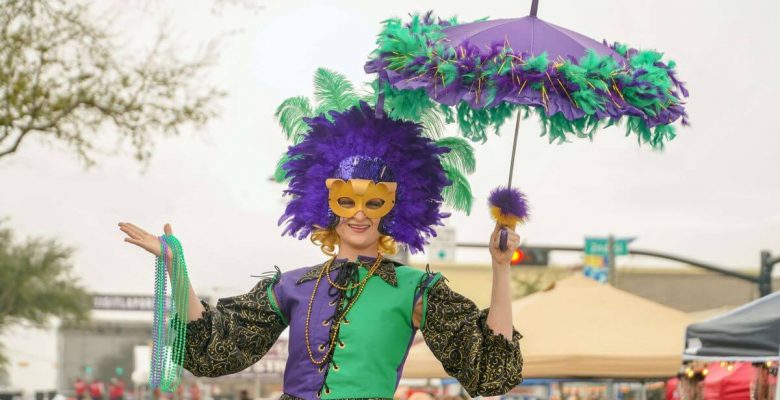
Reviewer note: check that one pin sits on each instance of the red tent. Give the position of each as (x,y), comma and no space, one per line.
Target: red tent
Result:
(722,384)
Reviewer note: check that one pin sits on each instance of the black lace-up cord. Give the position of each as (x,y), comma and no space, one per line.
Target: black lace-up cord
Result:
(346,276)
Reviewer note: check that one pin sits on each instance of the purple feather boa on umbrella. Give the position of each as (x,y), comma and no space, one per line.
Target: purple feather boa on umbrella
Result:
(357,134)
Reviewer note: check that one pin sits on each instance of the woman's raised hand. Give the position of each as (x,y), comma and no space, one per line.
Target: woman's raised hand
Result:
(144,239)
(513,242)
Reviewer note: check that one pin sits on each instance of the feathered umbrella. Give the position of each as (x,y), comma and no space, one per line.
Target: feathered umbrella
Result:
(481,73)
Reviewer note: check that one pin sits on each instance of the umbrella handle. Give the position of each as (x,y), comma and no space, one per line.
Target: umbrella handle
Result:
(502,239)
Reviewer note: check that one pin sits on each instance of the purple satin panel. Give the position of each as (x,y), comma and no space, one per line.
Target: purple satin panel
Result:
(301,377)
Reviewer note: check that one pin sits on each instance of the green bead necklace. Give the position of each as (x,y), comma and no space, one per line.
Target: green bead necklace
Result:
(169,333)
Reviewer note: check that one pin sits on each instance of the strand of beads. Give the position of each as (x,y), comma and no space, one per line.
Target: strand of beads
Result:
(158,323)
(337,324)
(171,333)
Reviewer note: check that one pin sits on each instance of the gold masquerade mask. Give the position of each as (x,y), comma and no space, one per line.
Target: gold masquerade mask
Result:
(346,198)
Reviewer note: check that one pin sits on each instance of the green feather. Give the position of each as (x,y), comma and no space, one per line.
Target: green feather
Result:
(460,156)
(280,174)
(458,194)
(538,63)
(432,123)
(333,91)
(290,115)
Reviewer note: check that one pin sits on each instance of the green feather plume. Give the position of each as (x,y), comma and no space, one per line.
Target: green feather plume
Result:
(460,156)
(280,174)
(458,194)
(333,91)
(290,115)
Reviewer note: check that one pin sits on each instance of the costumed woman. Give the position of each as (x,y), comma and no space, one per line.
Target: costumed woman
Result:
(360,185)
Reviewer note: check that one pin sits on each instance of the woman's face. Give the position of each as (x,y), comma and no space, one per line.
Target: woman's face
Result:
(358,232)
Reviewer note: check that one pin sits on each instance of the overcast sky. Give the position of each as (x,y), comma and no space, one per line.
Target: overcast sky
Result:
(711,195)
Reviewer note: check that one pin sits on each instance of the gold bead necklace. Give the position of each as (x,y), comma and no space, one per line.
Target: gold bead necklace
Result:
(337,326)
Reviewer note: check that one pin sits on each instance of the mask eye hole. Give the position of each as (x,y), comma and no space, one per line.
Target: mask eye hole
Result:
(346,202)
(375,204)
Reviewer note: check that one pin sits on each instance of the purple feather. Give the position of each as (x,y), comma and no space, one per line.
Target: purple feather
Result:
(371,146)
(510,201)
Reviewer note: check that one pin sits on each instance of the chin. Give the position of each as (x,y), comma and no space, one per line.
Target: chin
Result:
(360,242)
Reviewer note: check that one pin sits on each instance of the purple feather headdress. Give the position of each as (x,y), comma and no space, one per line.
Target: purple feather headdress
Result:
(356,144)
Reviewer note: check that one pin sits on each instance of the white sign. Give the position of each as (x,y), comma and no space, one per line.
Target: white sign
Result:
(442,247)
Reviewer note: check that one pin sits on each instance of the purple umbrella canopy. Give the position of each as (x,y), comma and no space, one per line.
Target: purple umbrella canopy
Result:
(480,73)
(533,35)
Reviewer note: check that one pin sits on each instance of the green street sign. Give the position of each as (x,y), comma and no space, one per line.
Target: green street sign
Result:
(600,246)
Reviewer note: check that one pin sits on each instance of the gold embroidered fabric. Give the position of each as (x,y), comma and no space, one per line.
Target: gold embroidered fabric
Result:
(234,335)
(456,331)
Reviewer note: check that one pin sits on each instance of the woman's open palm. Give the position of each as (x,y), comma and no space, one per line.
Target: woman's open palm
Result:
(144,239)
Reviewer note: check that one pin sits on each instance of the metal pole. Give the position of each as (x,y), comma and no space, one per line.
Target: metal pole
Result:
(534,7)
(611,261)
(765,275)
(514,147)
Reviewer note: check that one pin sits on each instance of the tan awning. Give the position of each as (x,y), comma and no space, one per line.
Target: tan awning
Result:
(582,328)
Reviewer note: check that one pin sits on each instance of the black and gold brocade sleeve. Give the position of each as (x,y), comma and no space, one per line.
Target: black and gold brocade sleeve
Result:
(234,335)
(456,331)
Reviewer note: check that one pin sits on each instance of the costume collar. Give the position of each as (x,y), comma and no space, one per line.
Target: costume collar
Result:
(385,270)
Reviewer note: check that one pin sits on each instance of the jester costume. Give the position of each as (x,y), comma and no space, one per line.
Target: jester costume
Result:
(351,322)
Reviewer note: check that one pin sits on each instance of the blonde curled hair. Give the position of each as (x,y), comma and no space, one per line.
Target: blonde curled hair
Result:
(328,239)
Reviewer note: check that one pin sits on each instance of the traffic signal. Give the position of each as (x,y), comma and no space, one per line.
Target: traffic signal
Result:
(530,256)
(517,257)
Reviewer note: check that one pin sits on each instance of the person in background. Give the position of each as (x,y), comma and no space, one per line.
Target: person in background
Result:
(194,391)
(80,387)
(96,389)
(116,390)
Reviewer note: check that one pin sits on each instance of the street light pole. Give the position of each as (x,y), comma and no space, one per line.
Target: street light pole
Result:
(611,261)
(765,275)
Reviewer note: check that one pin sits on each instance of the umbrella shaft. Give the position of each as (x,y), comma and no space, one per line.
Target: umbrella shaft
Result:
(514,147)
(534,7)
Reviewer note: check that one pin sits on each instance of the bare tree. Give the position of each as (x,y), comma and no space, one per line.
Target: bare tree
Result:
(63,77)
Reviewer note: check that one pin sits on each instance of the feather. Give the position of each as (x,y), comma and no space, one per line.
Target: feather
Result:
(458,193)
(290,115)
(460,156)
(508,206)
(333,91)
